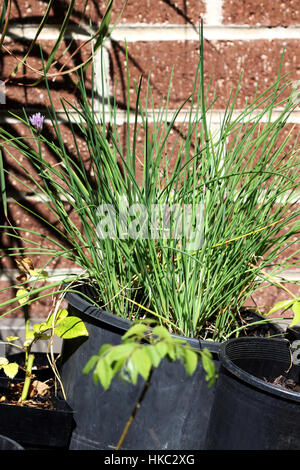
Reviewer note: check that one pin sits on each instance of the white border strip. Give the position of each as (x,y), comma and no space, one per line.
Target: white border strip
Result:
(8,275)
(152,33)
(215,118)
(164,32)
(214,12)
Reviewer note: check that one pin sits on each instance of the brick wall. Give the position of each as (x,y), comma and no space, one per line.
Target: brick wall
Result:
(241,36)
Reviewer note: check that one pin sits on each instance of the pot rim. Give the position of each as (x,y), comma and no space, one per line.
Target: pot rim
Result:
(88,309)
(250,379)
(14,444)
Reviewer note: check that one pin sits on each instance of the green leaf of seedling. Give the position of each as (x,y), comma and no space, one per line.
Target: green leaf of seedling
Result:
(139,330)
(296,310)
(57,317)
(142,362)
(121,351)
(161,349)
(41,336)
(21,295)
(161,332)
(39,330)
(118,365)
(95,378)
(11,369)
(91,363)
(154,355)
(208,366)
(190,360)
(71,327)
(171,351)
(132,358)
(10,339)
(104,347)
(42,275)
(40,327)
(283,304)
(103,373)
(132,370)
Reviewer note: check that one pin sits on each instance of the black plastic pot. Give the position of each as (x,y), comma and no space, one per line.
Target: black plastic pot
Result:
(249,412)
(173,415)
(8,444)
(36,427)
(293,333)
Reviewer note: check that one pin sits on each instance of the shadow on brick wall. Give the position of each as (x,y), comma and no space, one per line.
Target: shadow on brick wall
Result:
(23,93)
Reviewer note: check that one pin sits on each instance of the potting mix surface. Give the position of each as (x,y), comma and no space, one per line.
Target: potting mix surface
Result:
(39,396)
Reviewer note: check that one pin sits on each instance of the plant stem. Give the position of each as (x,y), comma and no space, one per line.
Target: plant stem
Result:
(136,408)
(29,358)
(27,327)
(27,381)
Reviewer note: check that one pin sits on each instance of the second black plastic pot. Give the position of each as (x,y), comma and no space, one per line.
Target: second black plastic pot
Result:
(249,411)
(36,428)
(174,413)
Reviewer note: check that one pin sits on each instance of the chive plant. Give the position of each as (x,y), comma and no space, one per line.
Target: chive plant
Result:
(236,191)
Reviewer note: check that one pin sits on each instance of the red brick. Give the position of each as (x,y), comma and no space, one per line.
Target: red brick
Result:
(279,155)
(159,11)
(38,309)
(224,62)
(289,254)
(20,167)
(267,296)
(32,11)
(36,236)
(19,91)
(156,58)
(262,12)
(144,11)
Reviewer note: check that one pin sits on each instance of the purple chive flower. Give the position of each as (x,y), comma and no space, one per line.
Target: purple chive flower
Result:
(37,121)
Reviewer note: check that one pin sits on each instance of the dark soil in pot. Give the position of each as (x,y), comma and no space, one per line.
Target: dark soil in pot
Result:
(40,395)
(263,330)
(285,383)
